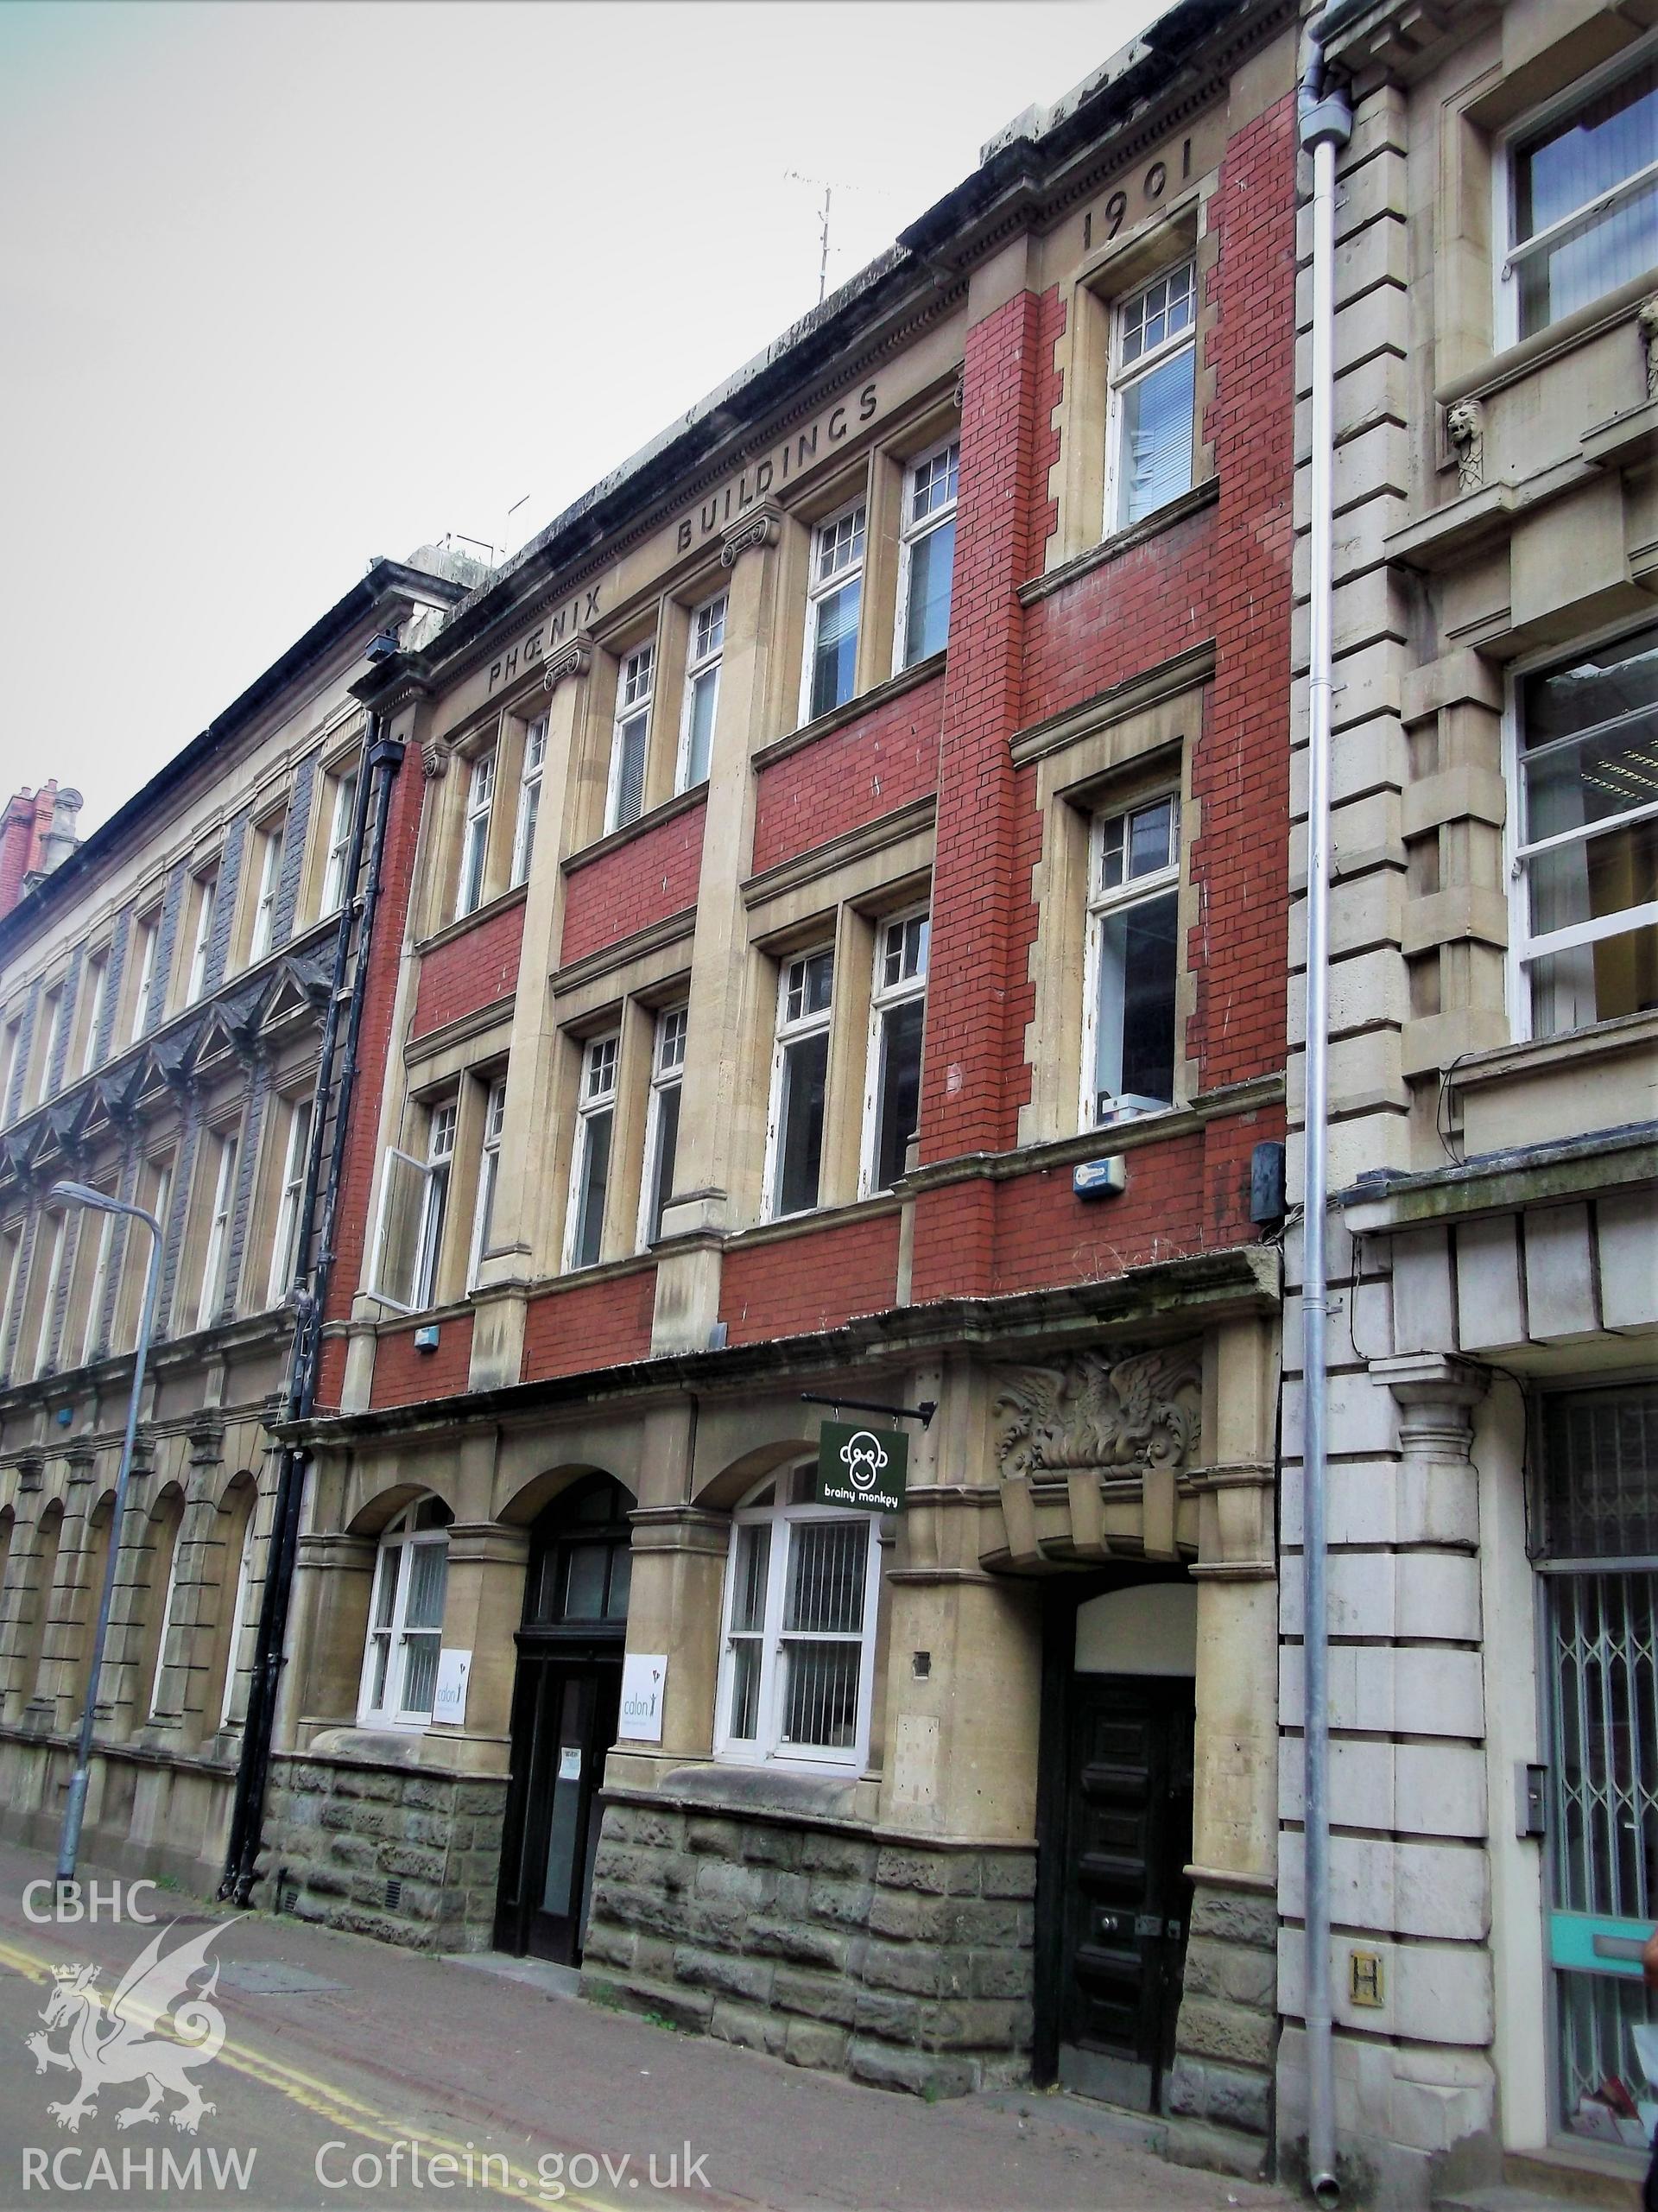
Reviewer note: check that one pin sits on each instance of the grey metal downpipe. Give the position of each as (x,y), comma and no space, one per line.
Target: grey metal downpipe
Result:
(1326,123)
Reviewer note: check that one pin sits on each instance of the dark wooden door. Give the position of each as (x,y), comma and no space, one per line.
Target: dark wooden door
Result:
(1128,1839)
(566,1701)
(565,1722)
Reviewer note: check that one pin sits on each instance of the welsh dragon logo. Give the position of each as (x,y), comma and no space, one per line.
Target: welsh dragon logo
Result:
(112,2043)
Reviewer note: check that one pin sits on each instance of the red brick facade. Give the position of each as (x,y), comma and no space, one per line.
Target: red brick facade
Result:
(645,880)
(1215,575)
(868,767)
(471,969)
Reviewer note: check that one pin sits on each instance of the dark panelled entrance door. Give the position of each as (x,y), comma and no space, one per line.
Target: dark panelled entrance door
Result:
(565,1702)
(1127,1840)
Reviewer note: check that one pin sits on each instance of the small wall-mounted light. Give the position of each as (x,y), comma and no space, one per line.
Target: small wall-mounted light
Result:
(425,1337)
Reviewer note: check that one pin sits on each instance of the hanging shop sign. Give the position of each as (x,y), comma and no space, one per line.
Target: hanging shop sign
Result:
(862,1467)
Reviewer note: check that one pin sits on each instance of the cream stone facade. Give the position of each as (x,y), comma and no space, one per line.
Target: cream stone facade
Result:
(161,996)
(1493,1424)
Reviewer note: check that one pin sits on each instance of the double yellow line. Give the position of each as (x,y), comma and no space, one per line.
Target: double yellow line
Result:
(334,2106)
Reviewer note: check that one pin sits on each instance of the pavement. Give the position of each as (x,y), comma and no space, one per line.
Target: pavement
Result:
(354,2073)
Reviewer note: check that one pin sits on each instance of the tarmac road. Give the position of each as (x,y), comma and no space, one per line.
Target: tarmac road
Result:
(354,2073)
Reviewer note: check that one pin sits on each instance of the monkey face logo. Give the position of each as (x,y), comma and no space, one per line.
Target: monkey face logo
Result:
(863,1457)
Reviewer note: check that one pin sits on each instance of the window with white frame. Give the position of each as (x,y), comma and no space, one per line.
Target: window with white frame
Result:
(662,1120)
(802,1591)
(799,1077)
(624,800)
(1585,857)
(1154,395)
(239,1610)
(1580,184)
(205,896)
(1132,968)
(475,833)
(414,1207)
(148,933)
(926,554)
(51,1023)
(96,989)
(93,1320)
(897,1013)
(167,1542)
(701,692)
(590,1168)
(285,1245)
(11,1254)
(488,1169)
(529,798)
(263,934)
(49,1250)
(335,885)
(400,1662)
(833,596)
(216,1257)
(9,1037)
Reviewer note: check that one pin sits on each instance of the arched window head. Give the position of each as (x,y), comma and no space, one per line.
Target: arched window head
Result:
(399,1665)
(801,1592)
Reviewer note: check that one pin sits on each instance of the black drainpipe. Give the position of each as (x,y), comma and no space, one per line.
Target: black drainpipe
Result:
(381,758)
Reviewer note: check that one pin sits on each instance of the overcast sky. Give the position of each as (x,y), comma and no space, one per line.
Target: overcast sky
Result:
(284,287)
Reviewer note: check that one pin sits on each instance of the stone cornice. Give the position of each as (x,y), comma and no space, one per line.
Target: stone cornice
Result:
(851,845)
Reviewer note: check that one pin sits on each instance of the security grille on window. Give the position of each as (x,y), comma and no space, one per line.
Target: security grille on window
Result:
(529,798)
(238,1612)
(926,554)
(1583,197)
(413,1204)
(475,835)
(662,1120)
(168,1545)
(339,843)
(591,1170)
(1587,851)
(488,1168)
(216,1260)
(265,911)
(285,1251)
(799,1075)
(399,1665)
(625,801)
(701,692)
(833,596)
(201,941)
(1129,1027)
(897,1013)
(1153,397)
(802,1589)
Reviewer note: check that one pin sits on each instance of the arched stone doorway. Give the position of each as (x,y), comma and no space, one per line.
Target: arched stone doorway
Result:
(566,1698)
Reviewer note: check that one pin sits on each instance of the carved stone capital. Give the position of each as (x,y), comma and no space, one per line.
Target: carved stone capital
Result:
(571,660)
(761,526)
(435,761)
(1465,426)
(31,1470)
(1647,321)
(1436,1394)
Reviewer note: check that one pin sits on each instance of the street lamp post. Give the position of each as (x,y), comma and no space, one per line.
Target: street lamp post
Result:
(80,1193)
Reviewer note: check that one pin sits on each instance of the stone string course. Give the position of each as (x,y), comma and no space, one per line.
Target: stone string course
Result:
(907,1966)
(337,1834)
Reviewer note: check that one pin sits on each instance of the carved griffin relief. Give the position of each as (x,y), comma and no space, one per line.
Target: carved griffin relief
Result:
(1129,1414)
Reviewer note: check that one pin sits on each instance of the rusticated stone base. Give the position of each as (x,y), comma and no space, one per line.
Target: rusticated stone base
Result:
(908,1965)
(400,1853)
(1226,2043)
